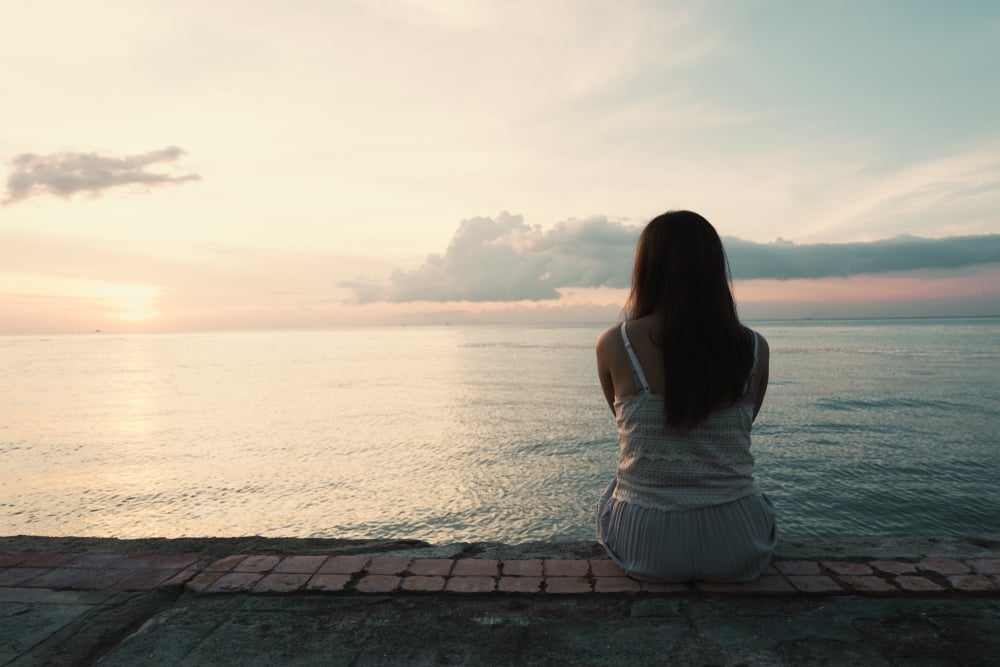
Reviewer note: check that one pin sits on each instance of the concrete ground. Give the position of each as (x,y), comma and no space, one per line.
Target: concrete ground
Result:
(697,625)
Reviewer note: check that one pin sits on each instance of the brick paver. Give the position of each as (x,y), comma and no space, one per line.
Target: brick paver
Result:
(96,561)
(328,582)
(44,559)
(281,582)
(387,565)
(235,582)
(257,564)
(79,579)
(523,568)
(606,568)
(616,585)
(343,565)
(378,583)
(916,584)
(892,567)
(471,584)
(520,584)
(137,561)
(985,565)
(797,567)
(978,583)
(144,580)
(300,564)
(567,584)
(423,583)
(814,583)
(867,584)
(565,568)
(476,567)
(848,569)
(203,580)
(226,564)
(175,561)
(943,566)
(440,567)
(180,579)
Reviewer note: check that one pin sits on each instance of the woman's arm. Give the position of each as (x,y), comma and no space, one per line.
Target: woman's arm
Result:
(603,366)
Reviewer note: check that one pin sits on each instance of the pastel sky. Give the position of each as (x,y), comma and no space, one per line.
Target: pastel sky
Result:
(187,166)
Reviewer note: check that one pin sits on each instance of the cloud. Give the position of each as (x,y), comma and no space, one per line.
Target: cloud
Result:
(65,174)
(783,260)
(505,259)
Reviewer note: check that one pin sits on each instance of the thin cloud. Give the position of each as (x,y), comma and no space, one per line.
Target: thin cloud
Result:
(783,260)
(66,174)
(505,259)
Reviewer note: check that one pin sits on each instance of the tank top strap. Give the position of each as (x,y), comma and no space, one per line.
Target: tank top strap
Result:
(640,378)
(752,380)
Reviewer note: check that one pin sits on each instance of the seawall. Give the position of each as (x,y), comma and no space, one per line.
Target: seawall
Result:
(254,600)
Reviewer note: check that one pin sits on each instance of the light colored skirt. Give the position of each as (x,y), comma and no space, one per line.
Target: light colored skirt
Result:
(729,542)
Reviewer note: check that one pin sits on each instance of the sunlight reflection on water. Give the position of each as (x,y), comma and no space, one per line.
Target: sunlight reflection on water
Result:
(471,433)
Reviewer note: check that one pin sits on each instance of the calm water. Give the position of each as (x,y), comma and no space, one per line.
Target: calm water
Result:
(472,433)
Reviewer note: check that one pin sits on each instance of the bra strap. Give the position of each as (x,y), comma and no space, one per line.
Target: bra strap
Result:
(640,379)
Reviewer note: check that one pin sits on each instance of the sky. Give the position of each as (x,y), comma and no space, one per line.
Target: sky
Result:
(183,166)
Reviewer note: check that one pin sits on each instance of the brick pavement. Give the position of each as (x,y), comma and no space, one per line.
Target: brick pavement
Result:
(274,574)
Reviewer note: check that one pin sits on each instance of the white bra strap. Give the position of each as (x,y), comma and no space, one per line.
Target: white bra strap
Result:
(640,379)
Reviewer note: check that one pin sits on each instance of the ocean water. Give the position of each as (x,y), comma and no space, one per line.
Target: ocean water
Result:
(472,433)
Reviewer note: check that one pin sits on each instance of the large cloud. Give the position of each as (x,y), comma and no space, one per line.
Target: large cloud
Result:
(65,174)
(504,259)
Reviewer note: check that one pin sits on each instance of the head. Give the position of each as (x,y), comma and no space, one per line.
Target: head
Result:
(680,270)
(681,276)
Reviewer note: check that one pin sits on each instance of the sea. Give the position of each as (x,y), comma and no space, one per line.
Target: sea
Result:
(473,433)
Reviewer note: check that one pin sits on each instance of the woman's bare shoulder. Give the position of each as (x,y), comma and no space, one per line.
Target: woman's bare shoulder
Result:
(761,341)
(763,349)
(762,345)
(609,337)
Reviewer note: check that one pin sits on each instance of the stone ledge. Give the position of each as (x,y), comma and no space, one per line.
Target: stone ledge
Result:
(401,575)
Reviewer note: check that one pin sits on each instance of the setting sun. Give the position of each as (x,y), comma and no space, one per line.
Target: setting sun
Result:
(127,302)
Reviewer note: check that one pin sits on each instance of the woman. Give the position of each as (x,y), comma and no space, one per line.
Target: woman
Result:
(685,381)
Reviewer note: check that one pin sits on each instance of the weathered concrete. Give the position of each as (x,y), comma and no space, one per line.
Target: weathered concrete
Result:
(45,627)
(61,628)
(697,626)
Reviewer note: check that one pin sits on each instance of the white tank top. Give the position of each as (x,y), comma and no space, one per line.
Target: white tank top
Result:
(669,470)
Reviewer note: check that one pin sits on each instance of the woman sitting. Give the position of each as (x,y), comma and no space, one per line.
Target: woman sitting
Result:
(685,381)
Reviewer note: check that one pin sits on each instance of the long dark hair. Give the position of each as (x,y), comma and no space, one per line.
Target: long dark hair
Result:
(681,273)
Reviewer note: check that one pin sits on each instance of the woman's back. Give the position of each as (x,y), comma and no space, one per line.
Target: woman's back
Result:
(673,469)
(615,368)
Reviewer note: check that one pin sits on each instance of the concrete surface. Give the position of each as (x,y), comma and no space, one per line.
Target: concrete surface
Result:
(177,626)
(42,627)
